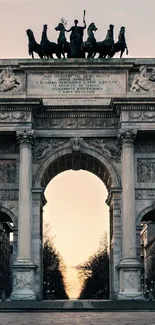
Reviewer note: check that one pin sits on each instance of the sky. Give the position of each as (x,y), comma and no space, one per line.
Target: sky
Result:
(76,206)
(18,15)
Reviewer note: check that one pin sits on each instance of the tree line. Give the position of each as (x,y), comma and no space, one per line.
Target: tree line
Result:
(93,274)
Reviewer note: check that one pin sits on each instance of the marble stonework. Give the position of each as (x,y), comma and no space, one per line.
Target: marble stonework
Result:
(77,114)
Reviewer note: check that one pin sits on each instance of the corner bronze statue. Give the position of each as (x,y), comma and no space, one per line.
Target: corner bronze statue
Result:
(77,47)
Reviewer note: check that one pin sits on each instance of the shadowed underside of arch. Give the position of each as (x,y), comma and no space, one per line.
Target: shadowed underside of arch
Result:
(7,216)
(146,215)
(4,217)
(149,216)
(76,161)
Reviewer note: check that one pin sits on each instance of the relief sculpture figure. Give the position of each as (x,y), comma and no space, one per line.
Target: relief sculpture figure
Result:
(8,80)
(143,81)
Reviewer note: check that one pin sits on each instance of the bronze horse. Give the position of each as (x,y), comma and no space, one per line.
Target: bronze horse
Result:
(33,46)
(64,46)
(89,45)
(106,48)
(49,48)
(103,48)
(121,45)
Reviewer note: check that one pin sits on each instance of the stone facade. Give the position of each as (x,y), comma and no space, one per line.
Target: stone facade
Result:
(77,114)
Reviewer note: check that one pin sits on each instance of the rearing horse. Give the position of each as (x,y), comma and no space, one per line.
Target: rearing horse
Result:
(49,48)
(90,44)
(64,46)
(121,45)
(33,46)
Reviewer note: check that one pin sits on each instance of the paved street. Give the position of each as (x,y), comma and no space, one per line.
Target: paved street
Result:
(113,318)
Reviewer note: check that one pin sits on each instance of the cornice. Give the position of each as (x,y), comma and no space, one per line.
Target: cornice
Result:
(108,64)
(20,104)
(73,114)
(132,104)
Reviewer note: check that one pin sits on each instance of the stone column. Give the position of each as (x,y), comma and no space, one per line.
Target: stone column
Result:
(129,266)
(23,268)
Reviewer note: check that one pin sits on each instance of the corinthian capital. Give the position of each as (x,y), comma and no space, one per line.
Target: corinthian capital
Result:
(25,137)
(127,137)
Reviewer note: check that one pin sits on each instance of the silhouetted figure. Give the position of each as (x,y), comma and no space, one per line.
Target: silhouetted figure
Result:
(76,38)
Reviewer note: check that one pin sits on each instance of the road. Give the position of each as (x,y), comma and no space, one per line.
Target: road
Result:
(78,318)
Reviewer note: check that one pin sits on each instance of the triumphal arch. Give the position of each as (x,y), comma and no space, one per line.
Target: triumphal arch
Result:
(96,115)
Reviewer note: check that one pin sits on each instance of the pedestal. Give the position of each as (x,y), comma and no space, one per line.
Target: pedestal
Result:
(23,281)
(130,285)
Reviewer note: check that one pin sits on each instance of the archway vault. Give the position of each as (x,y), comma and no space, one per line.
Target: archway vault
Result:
(7,216)
(145,214)
(88,160)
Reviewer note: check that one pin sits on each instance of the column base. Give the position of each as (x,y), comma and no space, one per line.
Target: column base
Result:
(130,296)
(130,280)
(23,280)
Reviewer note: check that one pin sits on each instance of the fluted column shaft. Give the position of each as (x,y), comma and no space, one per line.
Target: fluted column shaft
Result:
(128,197)
(25,195)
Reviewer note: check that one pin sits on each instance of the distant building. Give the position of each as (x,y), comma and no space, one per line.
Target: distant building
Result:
(147,242)
(5,259)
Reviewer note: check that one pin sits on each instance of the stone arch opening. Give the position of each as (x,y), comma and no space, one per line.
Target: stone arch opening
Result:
(87,160)
(79,218)
(77,162)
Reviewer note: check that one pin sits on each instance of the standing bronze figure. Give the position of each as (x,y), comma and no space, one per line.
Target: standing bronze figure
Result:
(76,38)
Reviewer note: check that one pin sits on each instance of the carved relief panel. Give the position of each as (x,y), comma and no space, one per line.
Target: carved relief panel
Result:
(145,170)
(43,147)
(74,122)
(144,80)
(7,171)
(11,82)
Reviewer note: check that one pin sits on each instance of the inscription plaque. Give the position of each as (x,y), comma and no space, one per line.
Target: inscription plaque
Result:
(77,84)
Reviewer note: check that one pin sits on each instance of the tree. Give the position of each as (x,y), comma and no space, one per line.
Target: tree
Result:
(94,274)
(54,285)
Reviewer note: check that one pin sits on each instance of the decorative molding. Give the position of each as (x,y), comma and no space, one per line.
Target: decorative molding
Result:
(8,195)
(44,146)
(145,194)
(108,147)
(15,116)
(75,122)
(7,172)
(25,137)
(135,116)
(145,170)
